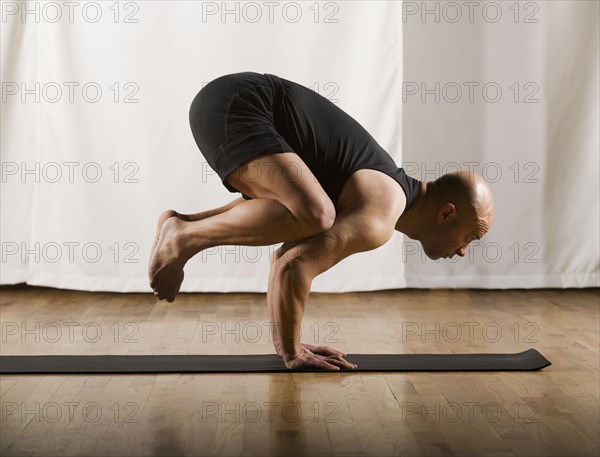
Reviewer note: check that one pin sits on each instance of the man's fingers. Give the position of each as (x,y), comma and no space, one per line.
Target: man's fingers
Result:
(310,360)
(331,351)
(327,366)
(344,363)
(339,361)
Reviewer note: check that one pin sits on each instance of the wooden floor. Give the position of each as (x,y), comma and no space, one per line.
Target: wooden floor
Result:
(553,412)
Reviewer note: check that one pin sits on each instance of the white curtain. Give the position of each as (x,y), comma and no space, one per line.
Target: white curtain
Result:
(96,142)
(517,101)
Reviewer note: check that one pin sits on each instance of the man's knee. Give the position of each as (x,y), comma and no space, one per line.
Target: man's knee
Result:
(318,217)
(277,254)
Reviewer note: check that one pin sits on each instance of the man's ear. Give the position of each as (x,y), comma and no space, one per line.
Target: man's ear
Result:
(446,213)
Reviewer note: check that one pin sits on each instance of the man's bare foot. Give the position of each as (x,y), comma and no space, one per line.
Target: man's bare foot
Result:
(172,213)
(167,261)
(161,220)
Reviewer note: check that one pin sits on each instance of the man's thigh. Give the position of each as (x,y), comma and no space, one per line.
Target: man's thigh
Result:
(284,177)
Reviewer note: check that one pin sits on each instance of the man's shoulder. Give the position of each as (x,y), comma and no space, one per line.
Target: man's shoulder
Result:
(373,202)
(374,191)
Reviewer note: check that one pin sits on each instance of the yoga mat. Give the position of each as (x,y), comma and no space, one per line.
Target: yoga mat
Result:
(92,364)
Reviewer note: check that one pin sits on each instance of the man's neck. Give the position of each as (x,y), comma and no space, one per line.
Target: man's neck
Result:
(410,221)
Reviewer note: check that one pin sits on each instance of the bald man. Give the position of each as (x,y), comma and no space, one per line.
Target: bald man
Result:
(312,178)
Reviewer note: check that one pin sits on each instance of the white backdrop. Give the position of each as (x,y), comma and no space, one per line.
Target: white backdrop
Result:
(96,142)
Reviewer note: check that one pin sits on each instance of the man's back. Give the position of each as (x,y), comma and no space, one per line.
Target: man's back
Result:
(330,141)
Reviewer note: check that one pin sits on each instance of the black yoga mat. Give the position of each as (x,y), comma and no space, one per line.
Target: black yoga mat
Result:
(92,364)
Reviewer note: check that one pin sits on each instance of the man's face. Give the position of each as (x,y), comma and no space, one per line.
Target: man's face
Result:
(451,234)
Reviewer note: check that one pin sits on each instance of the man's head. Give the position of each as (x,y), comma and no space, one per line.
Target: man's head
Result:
(458,208)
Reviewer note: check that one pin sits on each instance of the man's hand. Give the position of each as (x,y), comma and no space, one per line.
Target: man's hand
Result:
(319,357)
(322,350)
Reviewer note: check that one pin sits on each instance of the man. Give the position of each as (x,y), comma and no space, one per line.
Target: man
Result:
(312,178)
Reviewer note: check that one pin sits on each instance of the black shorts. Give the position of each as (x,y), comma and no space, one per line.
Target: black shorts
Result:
(232,121)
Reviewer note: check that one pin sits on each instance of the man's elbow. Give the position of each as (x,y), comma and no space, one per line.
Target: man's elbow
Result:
(376,234)
(294,272)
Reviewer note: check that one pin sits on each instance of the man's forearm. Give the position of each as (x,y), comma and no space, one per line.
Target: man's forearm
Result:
(274,336)
(288,293)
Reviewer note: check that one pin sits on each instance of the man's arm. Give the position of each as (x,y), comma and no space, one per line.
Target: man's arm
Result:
(297,263)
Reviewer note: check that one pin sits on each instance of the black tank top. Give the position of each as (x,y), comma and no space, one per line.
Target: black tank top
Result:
(332,143)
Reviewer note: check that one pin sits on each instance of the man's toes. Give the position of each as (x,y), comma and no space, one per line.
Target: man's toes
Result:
(163,292)
(160,293)
(171,295)
(153,278)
